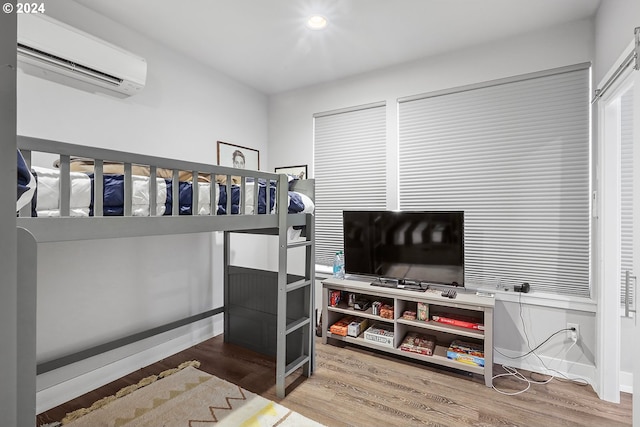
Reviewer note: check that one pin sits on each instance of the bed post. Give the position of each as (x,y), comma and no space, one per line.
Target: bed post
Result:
(27,250)
(281,328)
(310,274)
(225,280)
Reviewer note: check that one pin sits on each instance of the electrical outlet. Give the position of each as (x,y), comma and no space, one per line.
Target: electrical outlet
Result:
(573,335)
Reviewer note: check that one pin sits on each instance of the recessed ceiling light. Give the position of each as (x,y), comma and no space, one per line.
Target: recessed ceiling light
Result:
(317,22)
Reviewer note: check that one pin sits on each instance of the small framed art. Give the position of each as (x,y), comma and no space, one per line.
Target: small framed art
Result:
(237,156)
(299,172)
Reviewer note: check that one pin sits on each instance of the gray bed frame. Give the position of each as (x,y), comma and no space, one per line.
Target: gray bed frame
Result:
(277,321)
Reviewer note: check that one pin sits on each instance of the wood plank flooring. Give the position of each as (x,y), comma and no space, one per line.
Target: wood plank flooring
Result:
(359,387)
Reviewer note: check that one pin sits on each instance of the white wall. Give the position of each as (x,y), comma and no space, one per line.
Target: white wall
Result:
(291,142)
(94,291)
(614,25)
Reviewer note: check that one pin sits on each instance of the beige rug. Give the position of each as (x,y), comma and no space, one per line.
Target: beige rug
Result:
(193,398)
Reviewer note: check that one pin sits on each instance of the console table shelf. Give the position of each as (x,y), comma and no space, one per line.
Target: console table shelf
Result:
(465,304)
(349,311)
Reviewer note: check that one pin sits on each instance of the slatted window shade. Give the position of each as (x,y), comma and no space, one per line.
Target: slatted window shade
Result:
(350,170)
(514,156)
(626,195)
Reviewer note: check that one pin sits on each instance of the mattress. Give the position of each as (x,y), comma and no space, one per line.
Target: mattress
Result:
(46,201)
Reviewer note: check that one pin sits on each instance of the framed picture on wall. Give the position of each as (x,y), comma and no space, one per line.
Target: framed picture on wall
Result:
(298,171)
(237,156)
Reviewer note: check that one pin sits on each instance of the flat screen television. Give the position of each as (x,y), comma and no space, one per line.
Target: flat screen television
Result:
(405,246)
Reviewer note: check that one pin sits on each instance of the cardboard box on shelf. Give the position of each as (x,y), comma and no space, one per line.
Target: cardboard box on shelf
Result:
(356,327)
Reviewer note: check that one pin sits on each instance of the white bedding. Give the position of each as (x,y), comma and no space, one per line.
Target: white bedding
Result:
(48,195)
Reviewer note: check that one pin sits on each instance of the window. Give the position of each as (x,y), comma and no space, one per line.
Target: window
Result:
(349,169)
(514,155)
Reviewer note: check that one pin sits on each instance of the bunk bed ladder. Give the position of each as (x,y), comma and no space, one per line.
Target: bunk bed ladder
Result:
(289,329)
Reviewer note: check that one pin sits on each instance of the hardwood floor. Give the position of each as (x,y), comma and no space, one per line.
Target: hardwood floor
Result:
(359,387)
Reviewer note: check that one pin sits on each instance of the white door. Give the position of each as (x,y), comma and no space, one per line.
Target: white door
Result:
(636,240)
(617,238)
(628,235)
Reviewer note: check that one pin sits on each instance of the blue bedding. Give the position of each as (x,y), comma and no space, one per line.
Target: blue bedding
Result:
(26,183)
(113,201)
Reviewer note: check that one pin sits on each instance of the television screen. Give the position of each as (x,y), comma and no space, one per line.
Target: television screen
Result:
(423,247)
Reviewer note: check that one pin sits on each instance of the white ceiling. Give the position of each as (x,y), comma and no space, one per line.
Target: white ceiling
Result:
(266,45)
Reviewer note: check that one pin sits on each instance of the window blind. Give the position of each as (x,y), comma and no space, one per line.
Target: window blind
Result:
(350,170)
(626,195)
(514,155)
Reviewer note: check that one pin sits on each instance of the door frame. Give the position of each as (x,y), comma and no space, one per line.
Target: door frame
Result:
(607,241)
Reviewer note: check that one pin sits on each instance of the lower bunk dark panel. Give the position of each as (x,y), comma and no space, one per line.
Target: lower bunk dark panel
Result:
(251,311)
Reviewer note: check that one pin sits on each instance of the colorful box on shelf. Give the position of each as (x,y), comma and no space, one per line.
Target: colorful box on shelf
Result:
(423,311)
(466,352)
(380,334)
(460,321)
(334,298)
(341,327)
(465,358)
(386,311)
(409,315)
(418,343)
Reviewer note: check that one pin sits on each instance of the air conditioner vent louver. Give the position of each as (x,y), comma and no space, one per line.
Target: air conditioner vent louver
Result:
(57,52)
(68,65)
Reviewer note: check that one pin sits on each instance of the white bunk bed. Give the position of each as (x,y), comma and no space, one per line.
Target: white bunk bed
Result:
(285,301)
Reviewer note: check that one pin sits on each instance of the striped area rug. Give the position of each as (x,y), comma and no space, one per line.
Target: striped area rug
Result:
(190,397)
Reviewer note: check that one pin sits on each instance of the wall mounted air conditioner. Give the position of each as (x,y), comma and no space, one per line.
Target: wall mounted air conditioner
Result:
(56,51)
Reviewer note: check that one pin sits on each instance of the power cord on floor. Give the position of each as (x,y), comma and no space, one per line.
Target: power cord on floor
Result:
(513,372)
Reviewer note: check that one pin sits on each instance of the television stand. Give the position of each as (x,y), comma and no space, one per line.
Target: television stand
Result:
(466,305)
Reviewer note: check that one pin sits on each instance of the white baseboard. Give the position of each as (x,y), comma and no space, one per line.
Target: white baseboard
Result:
(64,391)
(560,368)
(564,369)
(626,382)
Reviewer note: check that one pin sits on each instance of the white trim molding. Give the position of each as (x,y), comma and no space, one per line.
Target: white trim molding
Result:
(62,392)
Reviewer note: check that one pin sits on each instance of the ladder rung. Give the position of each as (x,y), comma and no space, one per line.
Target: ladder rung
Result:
(298,284)
(291,367)
(297,324)
(299,244)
